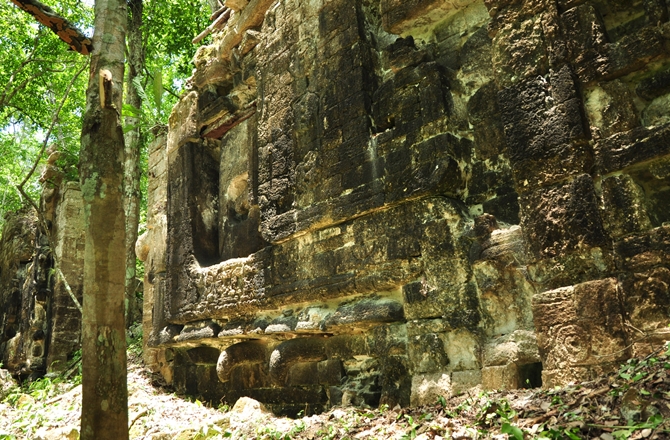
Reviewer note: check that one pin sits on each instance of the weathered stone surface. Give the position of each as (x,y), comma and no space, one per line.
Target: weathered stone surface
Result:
(7,382)
(581,325)
(656,112)
(518,347)
(545,133)
(654,86)
(632,147)
(644,262)
(68,240)
(399,16)
(571,204)
(624,210)
(503,377)
(594,57)
(426,388)
(611,109)
(382,202)
(40,325)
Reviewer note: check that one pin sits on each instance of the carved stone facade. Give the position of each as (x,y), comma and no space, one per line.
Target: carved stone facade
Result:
(383,201)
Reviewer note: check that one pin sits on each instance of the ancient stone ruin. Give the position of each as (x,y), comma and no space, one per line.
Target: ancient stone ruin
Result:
(384,201)
(40,325)
(368,202)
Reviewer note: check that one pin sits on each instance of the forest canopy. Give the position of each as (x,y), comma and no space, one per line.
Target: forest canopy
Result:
(41,74)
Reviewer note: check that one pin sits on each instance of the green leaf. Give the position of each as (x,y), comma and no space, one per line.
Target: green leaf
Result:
(572,435)
(654,421)
(158,89)
(512,430)
(137,82)
(130,110)
(127,128)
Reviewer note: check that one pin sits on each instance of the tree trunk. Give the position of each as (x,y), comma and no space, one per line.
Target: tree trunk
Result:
(131,184)
(105,393)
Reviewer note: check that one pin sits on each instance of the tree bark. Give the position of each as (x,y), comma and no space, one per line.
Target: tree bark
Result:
(104,388)
(134,141)
(65,30)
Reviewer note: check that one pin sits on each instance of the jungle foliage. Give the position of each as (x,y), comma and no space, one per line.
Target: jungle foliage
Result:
(37,69)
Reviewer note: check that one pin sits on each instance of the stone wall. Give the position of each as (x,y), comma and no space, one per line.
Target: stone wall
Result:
(383,201)
(40,325)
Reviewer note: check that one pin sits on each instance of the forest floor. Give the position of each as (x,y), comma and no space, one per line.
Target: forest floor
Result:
(631,403)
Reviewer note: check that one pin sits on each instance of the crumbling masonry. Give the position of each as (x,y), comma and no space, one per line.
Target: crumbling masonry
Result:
(385,201)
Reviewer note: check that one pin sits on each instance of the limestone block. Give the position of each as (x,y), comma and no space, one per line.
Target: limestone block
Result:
(426,388)
(573,268)
(203,355)
(462,349)
(624,210)
(542,119)
(388,340)
(292,351)
(563,218)
(198,330)
(594,57)
(183,123)
(484,114)
(503,377)
(215,71)
(519,348)
(347,346)
(519,51)
(633,51)
(395,381)
(250,16)
(366,311)
(462,381)
(427,353)
(575,374)
(645,260)
(505,295)
(504,245)
(68,243)
(638,145)
(587,40)
(303,373)
(610,109)
(245,411)
(580,325)
(464,45)
(251,352)
(236,5)
(657,112)
(18,239)
(402,53)
(654,86)
(249,41)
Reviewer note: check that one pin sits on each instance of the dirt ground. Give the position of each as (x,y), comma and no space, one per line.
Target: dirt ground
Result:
(631,403)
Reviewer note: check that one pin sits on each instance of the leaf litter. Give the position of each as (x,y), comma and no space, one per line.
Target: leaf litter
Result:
(630,403)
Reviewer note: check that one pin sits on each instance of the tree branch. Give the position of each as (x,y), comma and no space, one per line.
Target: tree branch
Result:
(24,63)
(150,75)
(65,30)
(48,134)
